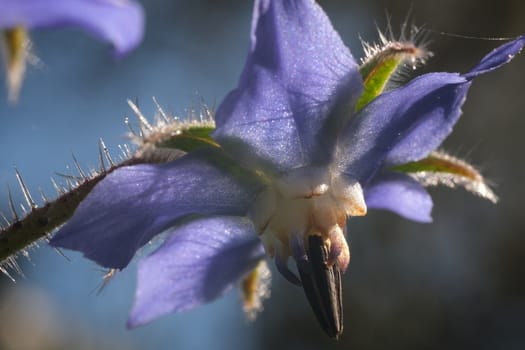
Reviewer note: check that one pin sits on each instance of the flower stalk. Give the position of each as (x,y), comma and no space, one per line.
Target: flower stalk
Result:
(165,141)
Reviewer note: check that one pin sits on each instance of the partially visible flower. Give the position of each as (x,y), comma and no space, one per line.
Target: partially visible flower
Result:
(119,22)
(296,155)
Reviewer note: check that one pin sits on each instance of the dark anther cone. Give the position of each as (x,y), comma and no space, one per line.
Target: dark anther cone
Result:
(322,286)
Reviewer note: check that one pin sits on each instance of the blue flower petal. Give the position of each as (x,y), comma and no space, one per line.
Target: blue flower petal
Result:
(297,71)
(200,261)
(408,123)
(498,57)
(133,204)
(404,124)
(120,22)
(400,194)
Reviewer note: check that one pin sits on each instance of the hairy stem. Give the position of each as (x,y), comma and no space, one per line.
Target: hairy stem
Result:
(41,221)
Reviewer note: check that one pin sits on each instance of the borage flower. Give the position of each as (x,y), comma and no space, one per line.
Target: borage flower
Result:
(120,22)
(306,141)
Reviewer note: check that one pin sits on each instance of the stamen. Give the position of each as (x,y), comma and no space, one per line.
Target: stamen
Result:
(299,252)
(336,247)
(281,262)
(322,286)
(303,215)
(339,250)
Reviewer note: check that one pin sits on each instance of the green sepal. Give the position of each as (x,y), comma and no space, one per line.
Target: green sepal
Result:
(383,61)
(376,74)
(190,139)
(221,160)
(436,163)
(442,169)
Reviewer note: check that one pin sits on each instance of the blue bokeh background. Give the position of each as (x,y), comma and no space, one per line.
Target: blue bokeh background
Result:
(455,283)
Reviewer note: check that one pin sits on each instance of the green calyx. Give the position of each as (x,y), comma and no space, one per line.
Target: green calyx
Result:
(190,139)
(375,79)
(382,63)
(438,163)
(442,169)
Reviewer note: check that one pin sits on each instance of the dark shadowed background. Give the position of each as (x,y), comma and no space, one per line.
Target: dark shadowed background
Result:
(457,283)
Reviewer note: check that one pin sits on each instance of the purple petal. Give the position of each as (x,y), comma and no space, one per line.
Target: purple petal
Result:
(404,124)
(408,123)
(297,71)
(120,22)
(199,261)
(133,204)
(497,58)
(400,194)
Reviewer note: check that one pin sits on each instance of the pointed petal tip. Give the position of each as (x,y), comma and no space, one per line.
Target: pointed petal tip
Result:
(428,219)
(130,323)
(138,317)
(497,57)
(297,71)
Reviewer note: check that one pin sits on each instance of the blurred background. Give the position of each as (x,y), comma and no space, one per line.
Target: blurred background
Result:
(457,283)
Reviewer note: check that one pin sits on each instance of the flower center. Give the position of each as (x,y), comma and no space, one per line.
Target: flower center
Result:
(305,202)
